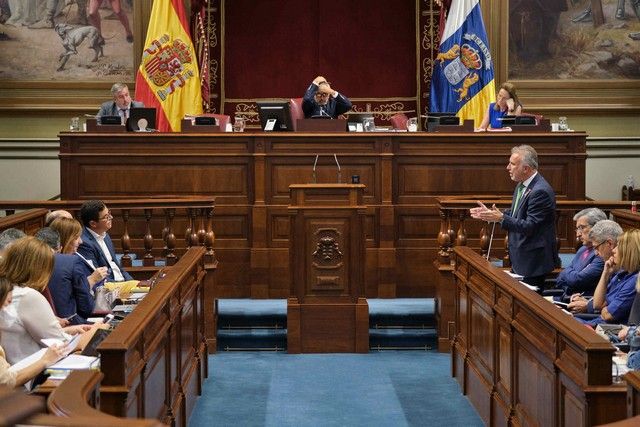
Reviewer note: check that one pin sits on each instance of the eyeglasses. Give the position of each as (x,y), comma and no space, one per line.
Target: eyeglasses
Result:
(108,216)
(595,248)
(581,228)
(322,95)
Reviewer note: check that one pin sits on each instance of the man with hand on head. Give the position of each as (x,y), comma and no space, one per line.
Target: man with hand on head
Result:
(120,105)
(96,246)
(530,222)
(321,100)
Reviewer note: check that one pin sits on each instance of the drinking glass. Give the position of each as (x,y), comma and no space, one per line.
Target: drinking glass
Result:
(562,123)
(238,124)
(74,124)
(368,124)
(412,124)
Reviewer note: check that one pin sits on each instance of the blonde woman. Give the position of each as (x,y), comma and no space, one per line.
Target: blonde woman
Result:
(15,378)
(29,318)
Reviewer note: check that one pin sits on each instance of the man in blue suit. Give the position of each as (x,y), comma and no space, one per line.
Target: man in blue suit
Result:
(121,104)
(320,100)
(583,273)
(530,222)
(96,245)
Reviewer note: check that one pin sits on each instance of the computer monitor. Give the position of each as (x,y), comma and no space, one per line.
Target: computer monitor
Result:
(518,121)
(141,119)
(444,118)
(274,116)
(110,120)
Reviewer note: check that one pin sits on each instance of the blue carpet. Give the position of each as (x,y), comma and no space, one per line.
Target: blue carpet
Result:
(396,388)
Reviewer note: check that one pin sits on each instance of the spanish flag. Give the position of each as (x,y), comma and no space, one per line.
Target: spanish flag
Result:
(168,77)
(462,80)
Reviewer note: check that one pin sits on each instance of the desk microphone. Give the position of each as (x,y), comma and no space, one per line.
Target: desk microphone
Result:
(314,169)
(339,171)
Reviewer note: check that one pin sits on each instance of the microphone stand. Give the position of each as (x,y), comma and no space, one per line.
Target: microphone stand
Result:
(314,169)
(339,171)
(493,229)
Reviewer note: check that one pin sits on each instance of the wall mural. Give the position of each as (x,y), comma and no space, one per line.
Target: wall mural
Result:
(574,39)
(66,40)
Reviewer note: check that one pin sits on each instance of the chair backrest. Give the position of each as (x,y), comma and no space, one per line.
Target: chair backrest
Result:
(538,117)
(399,121)
(221,119)
(295,109)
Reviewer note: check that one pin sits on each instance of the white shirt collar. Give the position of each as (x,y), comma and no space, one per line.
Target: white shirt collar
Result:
(527,181)
(96,235)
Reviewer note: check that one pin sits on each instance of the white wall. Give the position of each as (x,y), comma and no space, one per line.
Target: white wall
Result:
(29,169)
(609,162)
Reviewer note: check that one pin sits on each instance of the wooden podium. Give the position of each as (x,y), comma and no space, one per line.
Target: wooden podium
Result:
(327,311)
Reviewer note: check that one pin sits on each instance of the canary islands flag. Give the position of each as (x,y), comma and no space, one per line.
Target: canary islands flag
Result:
(168,77)
(462,80)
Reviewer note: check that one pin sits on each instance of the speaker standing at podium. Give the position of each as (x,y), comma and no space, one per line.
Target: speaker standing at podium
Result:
(530,221)
(321,100)
(120,105)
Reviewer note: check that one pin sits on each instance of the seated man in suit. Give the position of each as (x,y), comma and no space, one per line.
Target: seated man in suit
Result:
(96,245)
(321,100)
(120,105)
(582,275)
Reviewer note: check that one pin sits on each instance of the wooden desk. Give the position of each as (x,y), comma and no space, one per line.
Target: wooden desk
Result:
(250,173)
(522,361)
(155,360)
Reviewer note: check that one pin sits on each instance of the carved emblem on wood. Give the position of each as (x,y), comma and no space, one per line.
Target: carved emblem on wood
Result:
(327,253)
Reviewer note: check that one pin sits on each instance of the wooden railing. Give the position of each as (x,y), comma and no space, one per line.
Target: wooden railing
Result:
(147,227)
(75,402)
(454,216)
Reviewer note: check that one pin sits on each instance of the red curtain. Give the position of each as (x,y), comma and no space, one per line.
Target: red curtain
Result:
(274,48)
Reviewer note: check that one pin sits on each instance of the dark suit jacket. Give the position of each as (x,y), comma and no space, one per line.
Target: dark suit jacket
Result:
(532,230)
(69,288)
(90,249)
(109,108)
(583,274)
(335,106)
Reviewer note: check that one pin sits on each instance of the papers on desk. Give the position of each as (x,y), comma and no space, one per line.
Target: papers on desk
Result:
(619,366)
(514,275)
(73,362)
(69,346)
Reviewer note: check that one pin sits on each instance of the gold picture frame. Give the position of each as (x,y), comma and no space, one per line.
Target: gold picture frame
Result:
(38,96)
(557,96)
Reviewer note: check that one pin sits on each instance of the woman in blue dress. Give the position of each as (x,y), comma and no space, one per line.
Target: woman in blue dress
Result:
(507,104)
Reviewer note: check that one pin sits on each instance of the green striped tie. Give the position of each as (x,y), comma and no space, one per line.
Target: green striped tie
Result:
(519,192)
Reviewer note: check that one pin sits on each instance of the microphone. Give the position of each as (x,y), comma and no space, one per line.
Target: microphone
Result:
(339,171)
(314,169)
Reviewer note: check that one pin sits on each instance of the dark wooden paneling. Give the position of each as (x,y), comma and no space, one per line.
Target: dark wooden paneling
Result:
(535,364)
(249,174)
